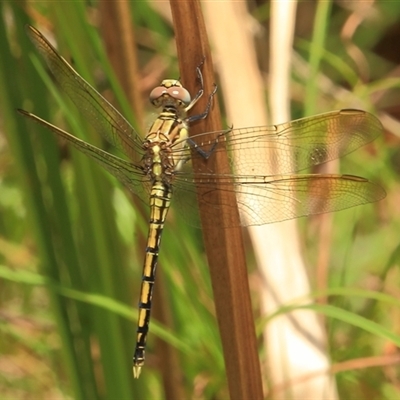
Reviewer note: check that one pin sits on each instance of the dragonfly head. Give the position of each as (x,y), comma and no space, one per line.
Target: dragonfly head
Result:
(170,93)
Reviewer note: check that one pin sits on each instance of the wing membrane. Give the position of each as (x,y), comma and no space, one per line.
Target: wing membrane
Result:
(292,146)
(102,115)
(128,173)
(263,159)
(268,199)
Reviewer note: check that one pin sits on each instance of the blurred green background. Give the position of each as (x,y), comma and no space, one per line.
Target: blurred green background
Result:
(71,239)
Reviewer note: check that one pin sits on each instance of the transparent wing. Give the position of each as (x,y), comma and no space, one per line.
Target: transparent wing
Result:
(262,199)
(101,114)
(129,174)
(262,160)
(292,146)
(268,199)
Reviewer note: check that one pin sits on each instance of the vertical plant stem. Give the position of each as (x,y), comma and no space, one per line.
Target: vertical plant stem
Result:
(317,45)
(224,247)
(120,42)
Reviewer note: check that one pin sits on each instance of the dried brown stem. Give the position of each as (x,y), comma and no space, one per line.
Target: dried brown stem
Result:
(224,247)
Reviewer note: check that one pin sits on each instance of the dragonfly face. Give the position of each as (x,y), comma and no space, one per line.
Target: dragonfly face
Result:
(268,189)
(170,92)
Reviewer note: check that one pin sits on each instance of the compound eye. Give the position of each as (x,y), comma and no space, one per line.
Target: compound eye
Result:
(180,93)
(157,92)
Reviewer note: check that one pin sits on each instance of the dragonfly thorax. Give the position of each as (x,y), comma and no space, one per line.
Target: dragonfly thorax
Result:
(161,156)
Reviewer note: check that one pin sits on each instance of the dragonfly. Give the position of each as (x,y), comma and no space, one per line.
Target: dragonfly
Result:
(159,165)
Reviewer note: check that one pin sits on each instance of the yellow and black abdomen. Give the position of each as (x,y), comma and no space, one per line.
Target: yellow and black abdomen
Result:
(160,198)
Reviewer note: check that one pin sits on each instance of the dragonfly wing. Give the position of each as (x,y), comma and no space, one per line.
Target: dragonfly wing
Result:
(129,174)
(268,199)
(281,198)
(102,115)
(289,147)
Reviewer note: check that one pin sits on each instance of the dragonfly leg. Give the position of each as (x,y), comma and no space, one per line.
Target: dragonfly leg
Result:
(201,82)
(200,93)
(206,154)
(204,114)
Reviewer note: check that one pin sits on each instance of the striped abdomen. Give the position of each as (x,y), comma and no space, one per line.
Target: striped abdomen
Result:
(160,198)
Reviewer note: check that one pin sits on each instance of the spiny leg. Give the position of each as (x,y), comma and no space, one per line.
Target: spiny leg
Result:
(199,94)
(206,154)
